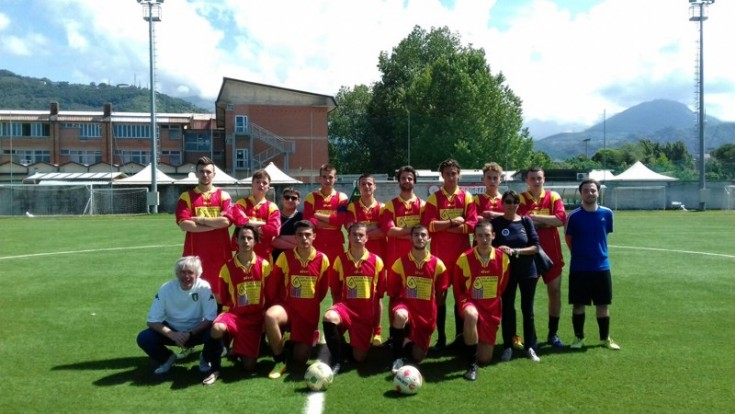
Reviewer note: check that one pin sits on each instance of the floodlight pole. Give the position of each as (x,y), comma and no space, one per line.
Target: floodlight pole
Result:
(586,153)
(697,13)
(152,13)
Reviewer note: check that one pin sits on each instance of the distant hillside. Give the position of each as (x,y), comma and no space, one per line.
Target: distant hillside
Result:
(21,92)
(659,121)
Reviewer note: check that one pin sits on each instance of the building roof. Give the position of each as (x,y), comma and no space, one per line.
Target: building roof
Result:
(240,92)
(73,178)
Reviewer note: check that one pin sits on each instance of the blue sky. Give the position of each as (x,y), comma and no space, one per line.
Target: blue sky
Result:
(569,60)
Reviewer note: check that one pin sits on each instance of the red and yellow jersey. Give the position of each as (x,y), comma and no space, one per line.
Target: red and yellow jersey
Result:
(247,210)
(357,212)
(481,283)
(329,240)
(444,206)
(485,203)
(359,283)
(548,203)
(300,284)
(416,284)
(212,247)
(400,213)
(243,286)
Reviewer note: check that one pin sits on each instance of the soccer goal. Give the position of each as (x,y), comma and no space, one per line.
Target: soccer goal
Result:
(729,203)
(116,201)
(639,198)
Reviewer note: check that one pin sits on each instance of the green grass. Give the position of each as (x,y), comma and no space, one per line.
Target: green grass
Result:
(69,321)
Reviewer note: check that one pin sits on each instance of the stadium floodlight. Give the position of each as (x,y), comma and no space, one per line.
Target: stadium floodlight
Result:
(698,13)
(152,13)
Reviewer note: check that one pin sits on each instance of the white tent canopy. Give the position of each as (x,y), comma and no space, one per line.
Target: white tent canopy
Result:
(220,177)
(277,176)
(143,177)
(639,172)
(602,175)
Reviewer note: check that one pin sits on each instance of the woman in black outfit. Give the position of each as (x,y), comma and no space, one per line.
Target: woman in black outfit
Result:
(516,237)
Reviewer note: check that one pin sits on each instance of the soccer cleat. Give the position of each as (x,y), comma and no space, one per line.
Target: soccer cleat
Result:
(336,368)
(518,343)
(610,344)
(166,366)
(377,340)
(578,343)
(507,355)
(532,355)
(211,378)
(397,364)
(184,352)
(204,366)
(555,342)
(471,374)
(277,370)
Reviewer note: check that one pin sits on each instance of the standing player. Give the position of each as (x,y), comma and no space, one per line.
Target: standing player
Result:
(590,281)
(203,214)
(259,212)
(414,282)
(326,209)
(480,277)
(489,204)
(450,215)
(400,215)
(357,284)
(297,285)
(290,215)
(243,300)
(367,210)
(546,209)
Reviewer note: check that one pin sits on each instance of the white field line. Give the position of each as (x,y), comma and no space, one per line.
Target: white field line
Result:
(314,403)
(729,256)
(107,249)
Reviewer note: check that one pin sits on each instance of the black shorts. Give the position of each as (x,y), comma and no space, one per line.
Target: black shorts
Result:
(587,288)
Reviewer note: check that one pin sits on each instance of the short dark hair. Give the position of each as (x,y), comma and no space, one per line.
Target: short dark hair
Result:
(327,167)
(356,224)
(260,174)
(418,227)
(204,160)
(303,223)
(449,163)
(483,222)
(588,181)
(365,175)
(291,190)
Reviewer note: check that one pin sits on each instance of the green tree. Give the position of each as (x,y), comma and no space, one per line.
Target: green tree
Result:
(349,131)
(724,156)
(441,100)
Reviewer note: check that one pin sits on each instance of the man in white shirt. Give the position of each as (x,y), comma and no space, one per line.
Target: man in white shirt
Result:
(181,314)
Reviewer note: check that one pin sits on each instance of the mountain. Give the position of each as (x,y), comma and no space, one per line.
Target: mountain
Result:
(658,120)
(21,92)
(547,128)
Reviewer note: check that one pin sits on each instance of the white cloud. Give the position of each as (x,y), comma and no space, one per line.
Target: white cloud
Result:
(4,21)
(566,66)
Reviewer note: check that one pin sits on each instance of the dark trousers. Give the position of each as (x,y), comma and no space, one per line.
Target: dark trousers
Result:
(528,292)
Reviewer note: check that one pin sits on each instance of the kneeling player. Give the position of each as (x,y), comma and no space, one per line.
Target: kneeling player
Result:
(414,281)
(243,303)
(480,277)
(357,284)
(296,286)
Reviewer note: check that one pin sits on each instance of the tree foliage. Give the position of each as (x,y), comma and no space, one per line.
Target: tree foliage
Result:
(436,99)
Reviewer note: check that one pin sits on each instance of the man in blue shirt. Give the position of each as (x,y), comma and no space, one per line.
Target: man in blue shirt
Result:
(590,281)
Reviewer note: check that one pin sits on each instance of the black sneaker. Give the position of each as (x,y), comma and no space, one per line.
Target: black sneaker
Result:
(471,374)
(337,367)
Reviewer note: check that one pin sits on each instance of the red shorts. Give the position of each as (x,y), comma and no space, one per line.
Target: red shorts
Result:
(301,329)
(361,333)
(420,331)
(553,250)
(487,324)
(245,331)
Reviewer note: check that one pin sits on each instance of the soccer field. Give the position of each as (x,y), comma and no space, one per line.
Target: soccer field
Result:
(76,292)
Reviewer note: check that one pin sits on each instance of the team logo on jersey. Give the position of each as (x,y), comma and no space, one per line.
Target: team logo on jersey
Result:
(195,297)
(505,232)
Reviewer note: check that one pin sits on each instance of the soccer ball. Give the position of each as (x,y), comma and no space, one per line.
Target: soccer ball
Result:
(319,376)
(408,380)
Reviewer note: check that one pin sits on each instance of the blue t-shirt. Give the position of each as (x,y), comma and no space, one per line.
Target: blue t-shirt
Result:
(589,230)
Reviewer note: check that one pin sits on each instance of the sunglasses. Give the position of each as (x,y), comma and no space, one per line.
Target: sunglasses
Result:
(509,202)
(290,198)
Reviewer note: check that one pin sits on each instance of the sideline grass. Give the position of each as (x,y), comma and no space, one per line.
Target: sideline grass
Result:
(70,321)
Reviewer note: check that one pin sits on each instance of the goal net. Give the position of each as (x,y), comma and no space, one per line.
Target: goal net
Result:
(116,201)
(639,198)
(65,200)
(729,203)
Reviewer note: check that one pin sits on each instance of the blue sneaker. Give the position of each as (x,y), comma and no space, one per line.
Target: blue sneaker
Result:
(555,342)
